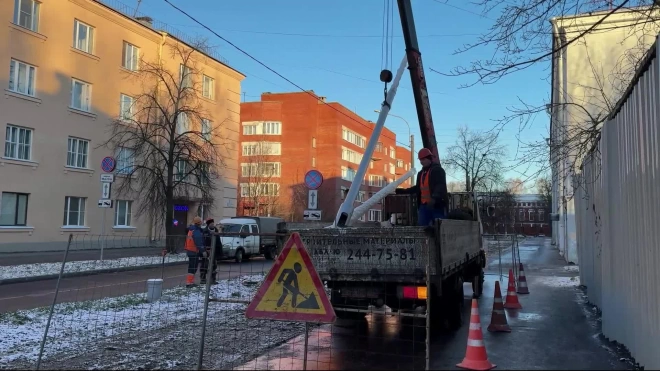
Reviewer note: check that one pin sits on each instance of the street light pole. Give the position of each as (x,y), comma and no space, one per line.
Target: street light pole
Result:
(412,143)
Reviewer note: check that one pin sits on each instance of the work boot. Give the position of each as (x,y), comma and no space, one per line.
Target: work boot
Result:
(214,279)
(190,280)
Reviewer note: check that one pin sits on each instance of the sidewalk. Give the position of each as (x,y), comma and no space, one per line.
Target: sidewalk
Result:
(554,330)
(7,259)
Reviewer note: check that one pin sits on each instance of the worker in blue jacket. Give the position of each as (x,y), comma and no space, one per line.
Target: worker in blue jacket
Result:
(195,250)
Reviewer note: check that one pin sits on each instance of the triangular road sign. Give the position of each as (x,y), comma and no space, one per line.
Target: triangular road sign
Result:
(292,290)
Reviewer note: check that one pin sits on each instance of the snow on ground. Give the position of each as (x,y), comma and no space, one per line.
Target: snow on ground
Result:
(572,268)
(554,281)
(45,269)
(128,333)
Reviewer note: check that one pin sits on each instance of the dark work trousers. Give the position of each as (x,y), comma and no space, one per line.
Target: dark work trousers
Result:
(194,261)
(205,267)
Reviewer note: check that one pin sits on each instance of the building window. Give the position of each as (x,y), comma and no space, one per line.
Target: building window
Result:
(541,216)
(81,95)
(182,123)
(347,173)
(371,164)
(204,176)
(181,170)
(261,170)
(125,161)
(74,211)
(206,129)
(185,76)
(249,129)
(83,36)
(18,143)
(531,216)
(262,148)
(379,147)
(26,14)
(313,142)
(375,180)
(361,196)
(272,128)
(208,87)
(130,57)
(399,163)
(354,138)
(375,215)
(13,209)
(392,152)
(126,107)
(521,216)
(22,77)
(123,213)
(203,211)
(392,169)
(350,156)
(343,191)
(258,190)
(77,153)
(313,161)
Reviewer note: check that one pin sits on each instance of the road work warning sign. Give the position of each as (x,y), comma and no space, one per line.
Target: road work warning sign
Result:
(292,291)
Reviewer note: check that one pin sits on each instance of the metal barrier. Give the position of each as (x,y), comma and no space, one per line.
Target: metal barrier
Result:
(617,225)
(129,312)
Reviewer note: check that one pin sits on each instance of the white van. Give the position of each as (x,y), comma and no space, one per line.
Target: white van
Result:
(248,242)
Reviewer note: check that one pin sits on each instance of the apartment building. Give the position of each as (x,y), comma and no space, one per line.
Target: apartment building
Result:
(284,135)
(71,70)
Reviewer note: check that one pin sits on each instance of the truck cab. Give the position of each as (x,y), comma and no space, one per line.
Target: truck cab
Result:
(245,237)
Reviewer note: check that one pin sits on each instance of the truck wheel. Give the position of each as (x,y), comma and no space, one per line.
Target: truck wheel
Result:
(478,284)
(271,253)
(455,305)
(239,256)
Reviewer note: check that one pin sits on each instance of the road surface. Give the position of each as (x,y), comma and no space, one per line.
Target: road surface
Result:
(40,293)
(554,330)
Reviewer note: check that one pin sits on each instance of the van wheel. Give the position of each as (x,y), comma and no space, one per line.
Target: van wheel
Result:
(239,256)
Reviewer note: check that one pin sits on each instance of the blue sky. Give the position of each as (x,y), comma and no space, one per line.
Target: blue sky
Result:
(338,55)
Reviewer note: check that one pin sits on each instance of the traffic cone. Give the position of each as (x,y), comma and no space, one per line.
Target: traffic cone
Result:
(475,354)
(522,281)
(498,321)
(511,301)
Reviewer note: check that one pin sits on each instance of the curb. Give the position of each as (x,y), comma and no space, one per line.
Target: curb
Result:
(10,281)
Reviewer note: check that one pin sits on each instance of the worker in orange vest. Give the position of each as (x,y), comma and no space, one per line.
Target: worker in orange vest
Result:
(195,250)
(430,189)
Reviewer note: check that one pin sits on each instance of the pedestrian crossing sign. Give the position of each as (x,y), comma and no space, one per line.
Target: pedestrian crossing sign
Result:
(292,290)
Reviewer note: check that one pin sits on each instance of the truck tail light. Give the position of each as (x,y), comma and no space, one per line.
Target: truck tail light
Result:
(414,292)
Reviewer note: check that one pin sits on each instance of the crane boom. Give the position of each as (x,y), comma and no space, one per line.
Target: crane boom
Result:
(417,77)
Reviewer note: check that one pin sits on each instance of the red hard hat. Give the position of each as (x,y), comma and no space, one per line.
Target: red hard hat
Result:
(424,153)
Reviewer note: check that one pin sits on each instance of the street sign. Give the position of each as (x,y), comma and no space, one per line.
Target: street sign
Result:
(105,190)
(105,203)
(108,164)
(293,290)
(313,199)
(107,178)
(312,215)
(313,179)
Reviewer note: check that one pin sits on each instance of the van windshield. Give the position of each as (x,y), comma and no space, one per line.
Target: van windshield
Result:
(231,228)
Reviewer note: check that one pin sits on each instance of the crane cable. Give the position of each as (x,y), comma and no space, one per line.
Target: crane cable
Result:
(386,45)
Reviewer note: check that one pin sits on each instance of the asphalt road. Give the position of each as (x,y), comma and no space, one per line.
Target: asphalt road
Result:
(40,293)
(554,330)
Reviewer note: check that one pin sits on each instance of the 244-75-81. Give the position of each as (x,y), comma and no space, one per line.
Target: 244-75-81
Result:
(387,254)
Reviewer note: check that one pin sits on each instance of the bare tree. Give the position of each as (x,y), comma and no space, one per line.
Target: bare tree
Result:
(260,186)
(498,210)
(516,186)
(477,155)
(167,149)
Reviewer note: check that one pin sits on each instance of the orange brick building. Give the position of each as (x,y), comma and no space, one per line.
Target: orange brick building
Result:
(284,135)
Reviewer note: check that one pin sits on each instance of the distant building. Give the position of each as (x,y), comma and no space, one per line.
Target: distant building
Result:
(284,135)
(529,215)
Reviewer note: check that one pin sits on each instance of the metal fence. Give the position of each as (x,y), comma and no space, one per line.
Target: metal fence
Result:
(618,226)
(137,312)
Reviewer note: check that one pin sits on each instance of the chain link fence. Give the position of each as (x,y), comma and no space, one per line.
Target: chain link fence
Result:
(134,309)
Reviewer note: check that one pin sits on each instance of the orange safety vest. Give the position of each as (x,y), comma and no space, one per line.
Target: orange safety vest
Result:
(425,188)
(190,243)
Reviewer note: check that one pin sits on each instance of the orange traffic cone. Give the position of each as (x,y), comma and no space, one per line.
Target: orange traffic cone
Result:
(522,281)
(475,354)
(498,321)
(511,301)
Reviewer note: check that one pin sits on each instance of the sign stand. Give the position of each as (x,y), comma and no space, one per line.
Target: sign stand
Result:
(108,165)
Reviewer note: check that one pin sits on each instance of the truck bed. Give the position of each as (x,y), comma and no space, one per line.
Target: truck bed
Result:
(393,254)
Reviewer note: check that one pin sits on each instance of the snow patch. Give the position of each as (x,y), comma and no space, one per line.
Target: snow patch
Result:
(46,269)
(572,268)
(560,281)
(78,326)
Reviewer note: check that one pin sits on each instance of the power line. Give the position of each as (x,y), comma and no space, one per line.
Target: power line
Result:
(261,63)
(463,9)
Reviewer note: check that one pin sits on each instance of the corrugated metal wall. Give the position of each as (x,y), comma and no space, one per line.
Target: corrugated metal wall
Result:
(618,212)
